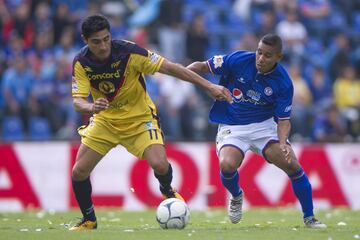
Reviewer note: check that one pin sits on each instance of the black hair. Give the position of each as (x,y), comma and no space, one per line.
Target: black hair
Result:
(93,24)
(272,40)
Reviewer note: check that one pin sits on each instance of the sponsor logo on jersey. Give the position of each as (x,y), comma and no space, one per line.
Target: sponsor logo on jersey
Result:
(154,57)
(106,87)
(253,95)
(118,105)
(237,93)
(115,64)
(218,61)
(238,97)
(105,75)
(88,69)
(268,91)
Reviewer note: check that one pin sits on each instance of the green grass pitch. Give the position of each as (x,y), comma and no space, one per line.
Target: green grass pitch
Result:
(259,224)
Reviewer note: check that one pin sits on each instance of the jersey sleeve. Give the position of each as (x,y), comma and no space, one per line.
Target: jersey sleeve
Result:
(80,82)
(146,64)
(218,64)
(284,103)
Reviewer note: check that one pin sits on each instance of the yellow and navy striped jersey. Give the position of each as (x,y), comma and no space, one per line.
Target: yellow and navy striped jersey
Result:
(120,80)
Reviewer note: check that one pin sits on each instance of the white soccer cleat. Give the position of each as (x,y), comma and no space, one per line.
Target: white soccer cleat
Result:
(235,208)
(312,222)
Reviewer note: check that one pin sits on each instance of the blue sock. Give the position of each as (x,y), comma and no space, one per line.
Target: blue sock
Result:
(82,190)
(303,191)
(231,182)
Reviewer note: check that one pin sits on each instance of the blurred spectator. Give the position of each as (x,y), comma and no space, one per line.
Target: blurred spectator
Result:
(15,46)
(282,6)
(329,126)
(197,39)
(174,96)
(315,15)
(5,19)
(320,88)
(118,28)
(66,49)
(293,34)
(16,88)
(340,56)
(247,42)
(67,118)
(262,5)
(41,91)
(21,24)
(347,98)
(267,24)
(301,107)
(45,32)
(61,21)
(77,8)
(42,20)
(171,30)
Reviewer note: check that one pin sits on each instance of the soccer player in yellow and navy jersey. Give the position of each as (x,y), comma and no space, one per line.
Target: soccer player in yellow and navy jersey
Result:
(112,71)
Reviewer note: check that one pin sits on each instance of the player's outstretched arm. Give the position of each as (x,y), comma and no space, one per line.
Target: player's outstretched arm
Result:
(83,106)
(176,70)
(199,67)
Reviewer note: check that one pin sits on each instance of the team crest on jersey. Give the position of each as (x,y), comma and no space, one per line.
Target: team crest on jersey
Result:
(268,91)
(106,87)
(218,61)
(154,57)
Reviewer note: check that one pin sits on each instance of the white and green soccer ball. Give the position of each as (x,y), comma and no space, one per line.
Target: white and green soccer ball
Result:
(172,213)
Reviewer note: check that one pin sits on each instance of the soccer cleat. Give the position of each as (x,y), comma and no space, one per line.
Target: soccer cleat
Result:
(235,208)
(172,193)
(312,222)
(84,225)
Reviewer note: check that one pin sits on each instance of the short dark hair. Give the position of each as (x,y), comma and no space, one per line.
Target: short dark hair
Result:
(93,24)
(272,40)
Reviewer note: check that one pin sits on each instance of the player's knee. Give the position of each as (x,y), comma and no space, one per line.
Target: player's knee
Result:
(79,174)
(293,167)
(228,165)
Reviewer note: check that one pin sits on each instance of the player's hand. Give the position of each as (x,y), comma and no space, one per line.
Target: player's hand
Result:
(286,149)
(220,93)
(99,105)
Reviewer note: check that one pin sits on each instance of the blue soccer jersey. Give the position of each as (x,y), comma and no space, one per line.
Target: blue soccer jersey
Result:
(257,97)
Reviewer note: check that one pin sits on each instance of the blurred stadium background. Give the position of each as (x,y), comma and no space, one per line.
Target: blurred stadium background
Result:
(38,124)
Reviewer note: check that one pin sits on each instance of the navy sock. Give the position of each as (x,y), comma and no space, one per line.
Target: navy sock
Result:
(165,180)
(231,183)
(82,190)
(303,191)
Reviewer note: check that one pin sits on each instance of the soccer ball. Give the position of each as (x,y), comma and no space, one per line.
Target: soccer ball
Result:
(172,213)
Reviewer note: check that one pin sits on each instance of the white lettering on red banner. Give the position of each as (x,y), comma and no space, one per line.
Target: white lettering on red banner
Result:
(38,175)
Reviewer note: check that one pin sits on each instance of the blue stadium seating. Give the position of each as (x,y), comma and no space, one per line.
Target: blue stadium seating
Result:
(12,129)
(39,129)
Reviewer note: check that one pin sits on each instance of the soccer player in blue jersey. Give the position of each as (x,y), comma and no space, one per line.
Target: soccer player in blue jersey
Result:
(113,72)
(258,120)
